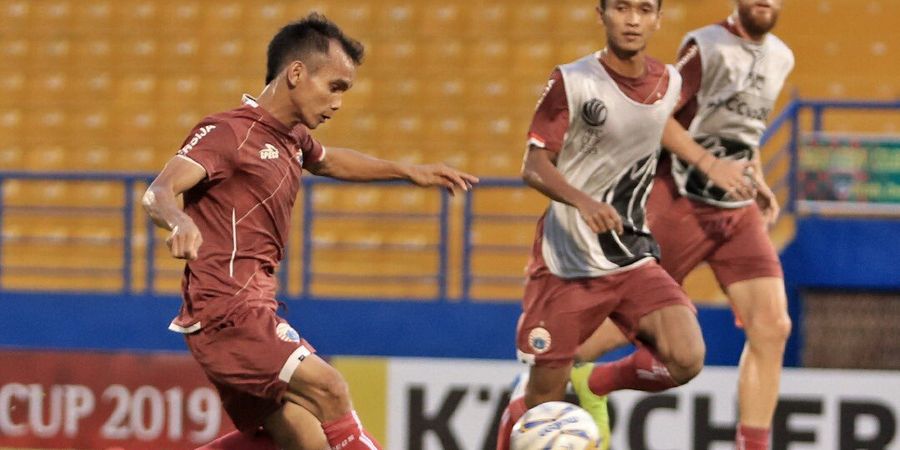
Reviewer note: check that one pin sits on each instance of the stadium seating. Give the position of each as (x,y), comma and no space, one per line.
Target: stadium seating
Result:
(103,85)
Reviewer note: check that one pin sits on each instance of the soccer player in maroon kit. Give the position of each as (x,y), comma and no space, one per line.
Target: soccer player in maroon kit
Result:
(239,175)
(733,72)
(593,147)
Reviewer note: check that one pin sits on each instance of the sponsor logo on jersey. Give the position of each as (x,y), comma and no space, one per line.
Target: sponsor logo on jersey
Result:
(539,340)
(286,333)
(594,112)
(200,134)
(268,152)
(743,106)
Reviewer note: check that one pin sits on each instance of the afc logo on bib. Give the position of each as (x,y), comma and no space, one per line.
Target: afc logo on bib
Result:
(594,112)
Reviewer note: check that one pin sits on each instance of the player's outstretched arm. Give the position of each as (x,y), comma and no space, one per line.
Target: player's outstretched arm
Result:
(539,171)
(163,205)
(350,165)
(728,174)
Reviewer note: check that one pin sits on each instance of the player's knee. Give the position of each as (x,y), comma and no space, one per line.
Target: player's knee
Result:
(769,329)
(686,362)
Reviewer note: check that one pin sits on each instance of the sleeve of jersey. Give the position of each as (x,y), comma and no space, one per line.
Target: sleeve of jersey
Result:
(312,150)
(551,118)
(214,147)
(691,69)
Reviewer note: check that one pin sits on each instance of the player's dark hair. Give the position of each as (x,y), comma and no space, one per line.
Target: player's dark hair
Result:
(658,4)
(301,39)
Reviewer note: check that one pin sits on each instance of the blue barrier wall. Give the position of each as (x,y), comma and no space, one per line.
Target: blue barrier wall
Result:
(344,327)
(844,254)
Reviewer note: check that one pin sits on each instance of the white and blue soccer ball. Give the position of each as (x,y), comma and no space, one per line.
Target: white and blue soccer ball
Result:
(555,426)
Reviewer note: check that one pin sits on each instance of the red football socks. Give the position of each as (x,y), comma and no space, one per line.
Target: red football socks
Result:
(640,371)
(515,410)
(240,441)
(346,433)
(751,438)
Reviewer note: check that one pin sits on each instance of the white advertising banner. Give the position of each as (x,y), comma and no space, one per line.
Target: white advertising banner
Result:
(456,404)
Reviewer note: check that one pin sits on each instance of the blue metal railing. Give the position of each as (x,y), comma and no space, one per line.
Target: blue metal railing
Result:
(789,120)
(791,116)
(129,181)
(311,213)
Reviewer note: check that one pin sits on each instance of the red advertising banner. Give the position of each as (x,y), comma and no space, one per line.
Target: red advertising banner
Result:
(93,400)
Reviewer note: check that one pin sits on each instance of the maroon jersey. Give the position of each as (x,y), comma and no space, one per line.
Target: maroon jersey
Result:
(243,209)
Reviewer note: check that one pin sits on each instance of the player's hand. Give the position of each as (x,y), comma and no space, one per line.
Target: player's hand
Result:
(427,175)
(734,177)
(601,217)
(767,202)
(185,240)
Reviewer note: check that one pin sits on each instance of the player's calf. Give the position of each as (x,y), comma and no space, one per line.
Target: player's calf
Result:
(320,388)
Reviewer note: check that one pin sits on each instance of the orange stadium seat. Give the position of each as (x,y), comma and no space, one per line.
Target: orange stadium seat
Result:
(12,157)
(227,51)
(489,94)
(440,19)
(16,52)
(13,85)
(445,56)
(48,17)
(394,56)
(92,15)
(396,92)
(182,90)
(15,16)
(12,122)
(574,49)
(46,157)
(492,56)
(224,19)
(489,20)
(532,18)
(140,53)
(179,53)
(48,89)
(534,54)
(445,130)
(401,131)
(357,17)
(580,19)
(397,17)
(130,15)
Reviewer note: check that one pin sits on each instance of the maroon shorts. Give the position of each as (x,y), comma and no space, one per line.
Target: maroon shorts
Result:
(249,356)
(734,242)
(559,314)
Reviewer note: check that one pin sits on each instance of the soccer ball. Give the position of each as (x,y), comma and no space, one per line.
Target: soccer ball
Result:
(555,426)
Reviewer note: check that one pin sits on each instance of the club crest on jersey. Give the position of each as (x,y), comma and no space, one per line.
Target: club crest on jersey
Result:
(268,152)
(539,340)
(286,333)
(594,112)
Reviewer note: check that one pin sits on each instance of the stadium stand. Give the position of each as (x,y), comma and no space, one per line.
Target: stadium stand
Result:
(114,86)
